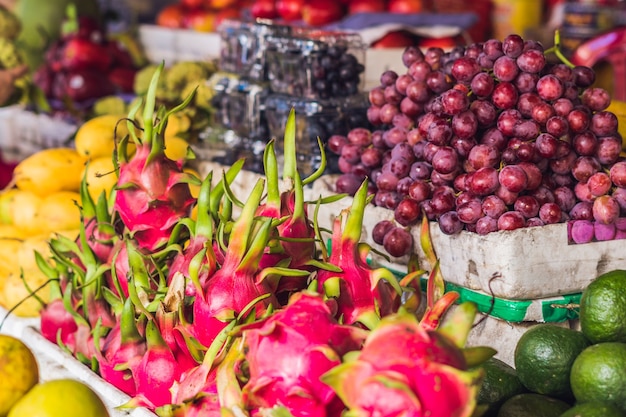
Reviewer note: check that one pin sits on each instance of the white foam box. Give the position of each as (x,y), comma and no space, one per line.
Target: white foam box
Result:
(54,363)
(174,45)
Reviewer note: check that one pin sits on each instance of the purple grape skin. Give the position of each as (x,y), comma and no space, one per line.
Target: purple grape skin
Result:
(603,232)
(449,223)
(581,231)
(380,230)
(398,242)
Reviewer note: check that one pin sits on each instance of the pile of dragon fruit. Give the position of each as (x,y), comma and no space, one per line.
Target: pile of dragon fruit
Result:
(209,305)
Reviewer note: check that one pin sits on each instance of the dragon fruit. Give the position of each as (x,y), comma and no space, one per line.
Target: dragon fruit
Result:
(404,369)
(121,351)
(416,367)
(233,287)
(363,294)
(152,191)
(296,235)
(197,261)
(288,352)
(156,372)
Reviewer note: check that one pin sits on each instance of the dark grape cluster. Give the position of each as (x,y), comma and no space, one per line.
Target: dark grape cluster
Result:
(491,136)
(313,69)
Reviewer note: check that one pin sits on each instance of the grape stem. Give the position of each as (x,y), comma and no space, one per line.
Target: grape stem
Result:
(556,49)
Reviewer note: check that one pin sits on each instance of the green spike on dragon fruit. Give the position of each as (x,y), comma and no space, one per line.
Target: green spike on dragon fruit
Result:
(235,285)
(406,370)
(152,191)
(364,294)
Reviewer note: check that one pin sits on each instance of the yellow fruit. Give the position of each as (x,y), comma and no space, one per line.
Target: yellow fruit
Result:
(19,371)
(60,398)
(194,188)
(95,137)
(24,210)
(176,148)
(25,256)
(177,123)
(50,170)
(59,211)
(9,249)
(100,176)
(6,199)
(10,231)
(16,291)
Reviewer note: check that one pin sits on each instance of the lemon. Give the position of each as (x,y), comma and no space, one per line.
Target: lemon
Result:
(19,371)
(599,374)
(100,176)
(60,398)
(603,308)
(95,137)
(543,358)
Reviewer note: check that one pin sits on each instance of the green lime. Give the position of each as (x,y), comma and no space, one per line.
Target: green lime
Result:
(603,308)
(544,355)
(599,374)
(500,383)
(532,405)
(593,410)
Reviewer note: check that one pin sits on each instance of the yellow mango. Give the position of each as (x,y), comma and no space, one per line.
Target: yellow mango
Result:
(100,176)
(50,170)
(59,211)
(26,253)
(16,290)
(176,148)
(95,137)
(9,248)
(24,209)
(6,199)
(10,231)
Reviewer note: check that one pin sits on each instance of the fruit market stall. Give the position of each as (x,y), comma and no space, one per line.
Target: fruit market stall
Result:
(465,211)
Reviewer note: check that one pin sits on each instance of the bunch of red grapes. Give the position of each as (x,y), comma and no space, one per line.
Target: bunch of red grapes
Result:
(492,136)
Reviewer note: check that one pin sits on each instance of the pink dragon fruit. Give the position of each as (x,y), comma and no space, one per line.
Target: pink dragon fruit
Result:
(415,368)
(235,287)
(152,191)
(197,261)
(156,373)
(406,370)
(363,294)
(99,230)
(121,351)
(288,352)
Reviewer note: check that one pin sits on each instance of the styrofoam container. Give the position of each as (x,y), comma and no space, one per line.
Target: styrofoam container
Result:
(174,45)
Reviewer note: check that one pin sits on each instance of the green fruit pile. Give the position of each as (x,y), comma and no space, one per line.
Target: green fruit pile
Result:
(567,372)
